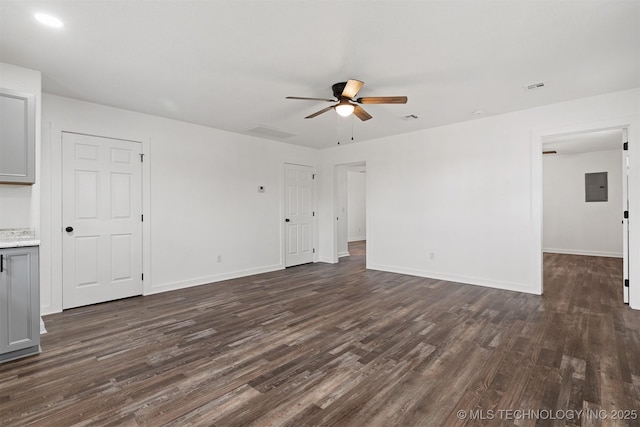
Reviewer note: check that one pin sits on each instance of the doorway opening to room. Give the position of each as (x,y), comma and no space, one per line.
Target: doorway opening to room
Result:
(584,197)
(351,211)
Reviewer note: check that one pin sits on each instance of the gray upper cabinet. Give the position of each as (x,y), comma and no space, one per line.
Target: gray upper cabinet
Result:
(17,137)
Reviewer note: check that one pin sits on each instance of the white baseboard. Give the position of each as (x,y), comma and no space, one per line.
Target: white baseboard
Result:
(581,252)
(467,280)
(341,254)
(165,287)
(326,260)
(45,311)
(356,239)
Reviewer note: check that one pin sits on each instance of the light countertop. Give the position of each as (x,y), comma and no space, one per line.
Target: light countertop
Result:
(18,243)
(17,238)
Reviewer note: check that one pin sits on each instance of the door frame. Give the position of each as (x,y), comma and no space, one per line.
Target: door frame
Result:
(54,233)
(336,204)
(283,210)
(625,221)
(71,296)
(537,137)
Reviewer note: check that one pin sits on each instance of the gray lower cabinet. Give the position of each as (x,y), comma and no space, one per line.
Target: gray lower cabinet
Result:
(19,303)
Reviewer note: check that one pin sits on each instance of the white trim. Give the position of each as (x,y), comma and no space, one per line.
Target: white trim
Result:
(316,209)
(343,254)
(334,199)
(633,134)
(182,284)
(367,219)
(55,137)
(46,231)
(146,211)
(584,253)
(357,239)
(283,209)
(456,279)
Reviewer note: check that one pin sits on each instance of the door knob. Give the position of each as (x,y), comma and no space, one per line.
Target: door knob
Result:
(287,220)
(68,229)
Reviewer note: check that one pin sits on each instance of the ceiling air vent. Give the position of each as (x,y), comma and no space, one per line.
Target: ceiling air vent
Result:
(268,132)
(534,86)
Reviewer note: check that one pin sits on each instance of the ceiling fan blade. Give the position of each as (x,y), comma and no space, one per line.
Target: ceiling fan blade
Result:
(311,99)
(317,113)
(382,100)
(351,88)
(361,114)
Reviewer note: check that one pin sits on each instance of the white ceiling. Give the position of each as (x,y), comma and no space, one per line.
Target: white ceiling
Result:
(229,64)
(586,142)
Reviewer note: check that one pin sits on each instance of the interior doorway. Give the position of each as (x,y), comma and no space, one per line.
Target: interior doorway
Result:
(575,220)
(358,248)
(356,204)
(350,208)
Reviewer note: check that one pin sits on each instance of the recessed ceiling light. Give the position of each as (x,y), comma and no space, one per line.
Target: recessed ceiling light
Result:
(478,112)
(48,20)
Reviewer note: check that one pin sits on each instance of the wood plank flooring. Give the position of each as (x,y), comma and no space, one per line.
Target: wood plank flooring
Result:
(337,345)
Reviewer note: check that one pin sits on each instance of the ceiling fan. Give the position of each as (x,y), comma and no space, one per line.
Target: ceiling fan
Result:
(344,93)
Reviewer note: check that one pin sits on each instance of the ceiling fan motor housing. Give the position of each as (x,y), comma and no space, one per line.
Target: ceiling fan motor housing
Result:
(338,88)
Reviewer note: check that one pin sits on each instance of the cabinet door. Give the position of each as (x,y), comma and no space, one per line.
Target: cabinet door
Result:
(19,299)
(17,137)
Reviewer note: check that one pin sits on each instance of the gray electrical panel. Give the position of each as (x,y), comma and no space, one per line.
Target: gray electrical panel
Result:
(596,187)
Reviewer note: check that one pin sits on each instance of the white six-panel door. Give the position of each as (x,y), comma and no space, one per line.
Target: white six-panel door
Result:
(101,213)
(298,215)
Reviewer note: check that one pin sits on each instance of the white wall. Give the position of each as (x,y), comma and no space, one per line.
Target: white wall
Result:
(20,204)
(200,194)
(457,202)
(572,225)
(356,206)
(460,202)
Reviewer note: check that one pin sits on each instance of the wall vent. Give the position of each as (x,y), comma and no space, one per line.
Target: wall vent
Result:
(273,133)
(534,86)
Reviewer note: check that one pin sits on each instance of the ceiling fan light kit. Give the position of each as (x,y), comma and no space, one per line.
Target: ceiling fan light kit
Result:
(344,93)
(344,108)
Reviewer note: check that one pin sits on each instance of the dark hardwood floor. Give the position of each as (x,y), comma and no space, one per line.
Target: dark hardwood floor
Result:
(324,344)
